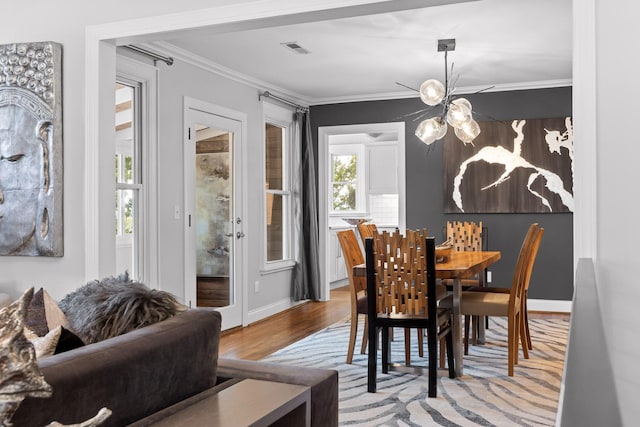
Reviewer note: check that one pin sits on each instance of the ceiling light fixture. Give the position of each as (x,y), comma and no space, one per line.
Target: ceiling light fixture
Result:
(456,112)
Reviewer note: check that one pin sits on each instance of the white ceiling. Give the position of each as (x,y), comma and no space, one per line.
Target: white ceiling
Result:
(509,44)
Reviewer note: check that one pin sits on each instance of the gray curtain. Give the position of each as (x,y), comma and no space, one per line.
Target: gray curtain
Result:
(306,274)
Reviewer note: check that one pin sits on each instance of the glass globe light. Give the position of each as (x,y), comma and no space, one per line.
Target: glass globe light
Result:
(463,101)
(468,131)
(432,92)
(430,130)
(459,113)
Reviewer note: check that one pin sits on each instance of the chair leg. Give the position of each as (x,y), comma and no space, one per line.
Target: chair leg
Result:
(432,346)
(516,338)
(475,326)
(385,350)
(372,360)
(407,346)
(467,320)
(511,332)
(443,351)
(525,314)
(523,337)
(352,336)
(365,336)
(450,359)
(421,342)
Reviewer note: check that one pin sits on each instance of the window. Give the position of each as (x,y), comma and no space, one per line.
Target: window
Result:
(278,131)
(347,179)
(128,178)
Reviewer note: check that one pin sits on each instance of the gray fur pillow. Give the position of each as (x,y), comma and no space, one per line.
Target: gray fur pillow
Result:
(113,306)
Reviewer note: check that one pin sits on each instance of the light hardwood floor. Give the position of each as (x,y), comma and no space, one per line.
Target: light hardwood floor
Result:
(269,335)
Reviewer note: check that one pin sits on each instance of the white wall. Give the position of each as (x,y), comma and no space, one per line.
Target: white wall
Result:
(618,175)
(65,23)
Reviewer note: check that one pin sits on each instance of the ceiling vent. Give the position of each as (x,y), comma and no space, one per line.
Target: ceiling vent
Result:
(295,47)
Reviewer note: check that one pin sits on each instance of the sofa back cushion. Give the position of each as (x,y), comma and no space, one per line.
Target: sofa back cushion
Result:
(134,375)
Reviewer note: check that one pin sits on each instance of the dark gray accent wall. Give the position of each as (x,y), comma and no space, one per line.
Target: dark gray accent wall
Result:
(553,273)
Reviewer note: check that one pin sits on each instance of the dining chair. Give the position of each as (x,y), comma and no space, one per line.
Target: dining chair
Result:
(525,314)
(352,255)
(357,289)
(509,305)
(401,275)
(468,236)
(367,229)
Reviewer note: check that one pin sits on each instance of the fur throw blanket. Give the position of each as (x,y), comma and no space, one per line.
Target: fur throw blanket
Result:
(114,306)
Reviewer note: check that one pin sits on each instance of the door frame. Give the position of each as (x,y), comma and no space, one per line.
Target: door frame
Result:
(324,133)
(240,255)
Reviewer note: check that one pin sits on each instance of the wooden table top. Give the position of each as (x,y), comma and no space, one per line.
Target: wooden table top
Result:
(459,265)
(465,263)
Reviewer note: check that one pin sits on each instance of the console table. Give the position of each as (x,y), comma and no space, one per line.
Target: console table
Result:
(250,402)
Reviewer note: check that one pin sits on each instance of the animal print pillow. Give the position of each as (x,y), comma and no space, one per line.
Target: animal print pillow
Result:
(115,305)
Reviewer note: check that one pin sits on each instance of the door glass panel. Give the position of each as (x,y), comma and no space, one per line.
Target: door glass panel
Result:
(214,237)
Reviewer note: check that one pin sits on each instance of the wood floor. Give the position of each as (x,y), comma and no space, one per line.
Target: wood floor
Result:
(269,335)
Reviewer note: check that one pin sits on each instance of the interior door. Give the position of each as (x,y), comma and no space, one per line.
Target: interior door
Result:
(213,235)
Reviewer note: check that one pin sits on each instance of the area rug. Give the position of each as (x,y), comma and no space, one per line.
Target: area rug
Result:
(483,396)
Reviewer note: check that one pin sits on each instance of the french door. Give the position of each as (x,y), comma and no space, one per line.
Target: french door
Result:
(213,211)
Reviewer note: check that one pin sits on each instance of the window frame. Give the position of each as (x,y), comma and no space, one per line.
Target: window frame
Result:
(283,118)
(133,72)
(359,151)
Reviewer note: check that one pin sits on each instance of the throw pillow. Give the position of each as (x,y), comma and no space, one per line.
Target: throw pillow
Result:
(20,376)
(68,341)
(44,314)
(113,306)
(55,316)
(46,345)
(36,319)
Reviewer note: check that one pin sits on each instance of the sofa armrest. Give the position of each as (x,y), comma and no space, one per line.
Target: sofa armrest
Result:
(322,382)
(134,375)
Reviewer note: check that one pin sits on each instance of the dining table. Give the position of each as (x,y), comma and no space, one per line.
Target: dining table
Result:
(458,266)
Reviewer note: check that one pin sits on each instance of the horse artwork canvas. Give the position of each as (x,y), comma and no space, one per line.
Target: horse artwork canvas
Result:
(517,166)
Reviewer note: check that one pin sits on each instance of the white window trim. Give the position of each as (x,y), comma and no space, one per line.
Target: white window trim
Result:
(361,179)
(284,118)
(147,76)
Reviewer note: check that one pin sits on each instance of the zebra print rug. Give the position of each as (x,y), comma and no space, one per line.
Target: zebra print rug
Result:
(484,396)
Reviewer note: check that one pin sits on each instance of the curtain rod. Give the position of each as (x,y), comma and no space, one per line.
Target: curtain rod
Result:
(268,94)
(156,56)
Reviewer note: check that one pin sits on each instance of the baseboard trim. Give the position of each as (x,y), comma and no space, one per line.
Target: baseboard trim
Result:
(548,305)
(271,309)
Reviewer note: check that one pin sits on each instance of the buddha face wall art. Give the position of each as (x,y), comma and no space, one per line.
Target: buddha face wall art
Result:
(31,149)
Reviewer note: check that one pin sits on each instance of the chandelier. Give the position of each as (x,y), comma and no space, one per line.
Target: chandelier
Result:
(454,112)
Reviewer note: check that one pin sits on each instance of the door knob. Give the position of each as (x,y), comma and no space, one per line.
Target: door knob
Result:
(239,234)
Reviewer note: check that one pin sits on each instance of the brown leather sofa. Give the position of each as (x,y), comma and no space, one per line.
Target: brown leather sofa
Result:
(143,375)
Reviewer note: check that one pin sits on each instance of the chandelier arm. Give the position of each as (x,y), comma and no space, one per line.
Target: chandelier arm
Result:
(483,90)
(419,114)
(408,87)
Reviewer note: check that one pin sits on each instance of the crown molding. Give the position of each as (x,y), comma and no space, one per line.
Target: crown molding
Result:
(228,73)
(261,85)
